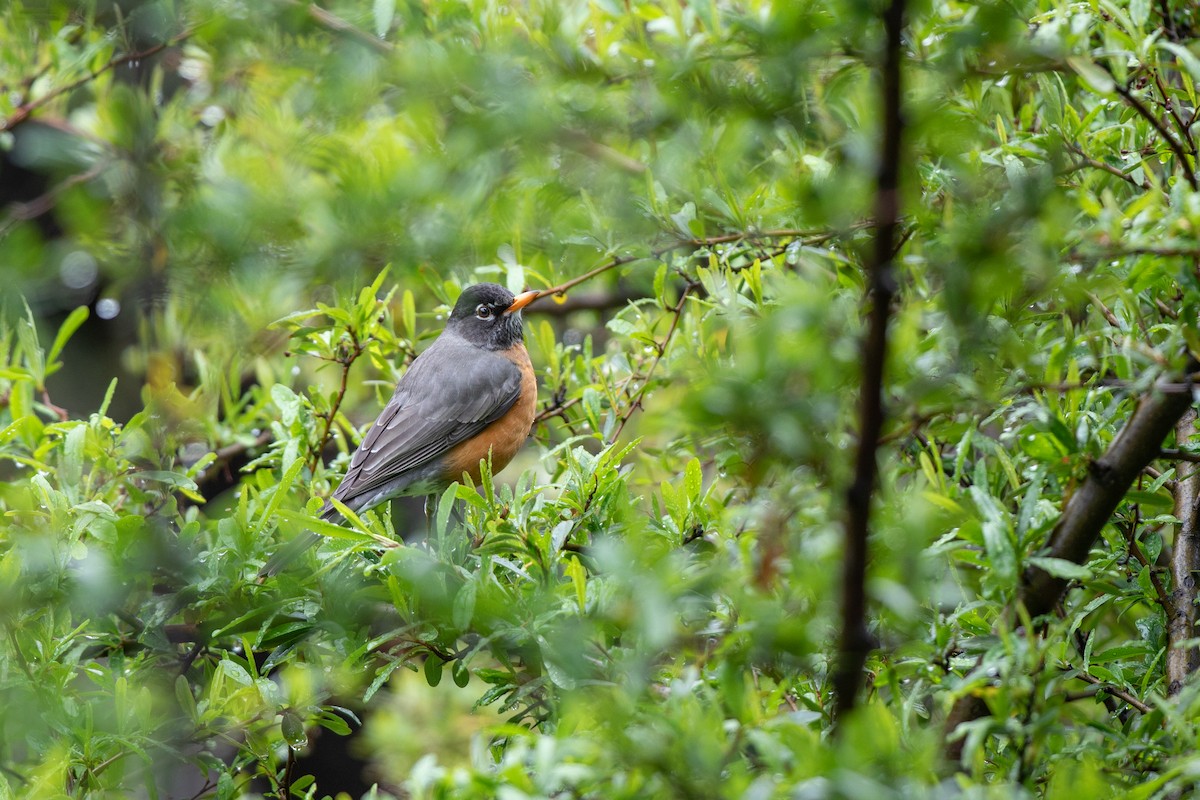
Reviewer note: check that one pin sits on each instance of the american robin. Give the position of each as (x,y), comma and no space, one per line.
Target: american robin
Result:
(470,395)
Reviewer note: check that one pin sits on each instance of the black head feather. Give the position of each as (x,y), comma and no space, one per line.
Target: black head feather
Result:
(481,317)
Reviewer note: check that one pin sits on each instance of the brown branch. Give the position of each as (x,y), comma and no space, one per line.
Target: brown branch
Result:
(1109,316)
(1084,515)
(856,641)
(1175,454)
(1115,691)
(346,361)
(286,789)
(1183,129)
(636,401)
(556,410)
(1172,142)
(1183,660)
(31,209)
(585,145)
(23,111)
(1088,161)
(1169,28)
(809,237)
(1091,505)
(1160,591)
(336,24)
(1165,309)
(226,456)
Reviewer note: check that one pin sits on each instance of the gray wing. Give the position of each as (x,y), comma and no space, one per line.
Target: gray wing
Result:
(451,392)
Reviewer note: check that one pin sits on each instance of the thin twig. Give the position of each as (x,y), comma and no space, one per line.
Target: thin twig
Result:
(1169,28)
(810,237)
(556,410)
(31,209)
(286,789)
(1115,691)
(1184,130)
(346,362)
(636,400)
(191,657)
(582,143)
(1172,142)
(1105,310)
(1165,309)
(1088,161)
(338,25)
(1135,550)
(1175,454)
(203,790)
(22,112)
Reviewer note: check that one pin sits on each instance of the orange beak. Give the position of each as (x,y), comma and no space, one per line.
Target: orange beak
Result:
(522,300)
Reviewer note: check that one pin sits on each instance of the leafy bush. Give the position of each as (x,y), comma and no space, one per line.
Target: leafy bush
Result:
(227,228)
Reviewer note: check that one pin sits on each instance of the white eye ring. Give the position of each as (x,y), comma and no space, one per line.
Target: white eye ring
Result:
(483,311)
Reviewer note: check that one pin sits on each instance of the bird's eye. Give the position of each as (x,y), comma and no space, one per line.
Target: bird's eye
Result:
(483,311)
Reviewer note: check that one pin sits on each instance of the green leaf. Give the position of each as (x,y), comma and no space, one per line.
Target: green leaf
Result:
(408,315)
(461,674)
(464,606)
(1096,77)
(1060,568)
(1187,59)
(236,672)
(693,480)
(65,331)
(183,693)
(433,669)
(445,508)
(278,493)
(996,537)
(292,727)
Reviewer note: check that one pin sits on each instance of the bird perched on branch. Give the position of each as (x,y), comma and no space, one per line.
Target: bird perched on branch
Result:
(470,396)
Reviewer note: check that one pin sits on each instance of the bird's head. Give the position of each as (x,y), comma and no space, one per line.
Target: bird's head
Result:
(489,315)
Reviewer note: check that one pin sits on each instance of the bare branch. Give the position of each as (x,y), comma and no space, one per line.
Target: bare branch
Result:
(856,641)
(636,401)
(336,24)
(23,111)
(31,209)
(1088,161)
(1115,691)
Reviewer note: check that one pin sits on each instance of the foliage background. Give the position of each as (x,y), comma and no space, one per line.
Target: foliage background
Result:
(193,196)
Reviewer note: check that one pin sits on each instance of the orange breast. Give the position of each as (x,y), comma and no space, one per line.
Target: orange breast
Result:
(503,437)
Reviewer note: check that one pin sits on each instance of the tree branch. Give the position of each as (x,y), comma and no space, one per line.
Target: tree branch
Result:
(636,402)
(1084,515)
(1182,660)
(23,111)
(1177,148)
(1109,477)
(809,237)
(1088,161)
(32,209)
(223,466)
(1115,691)
(856,640)
(336,24)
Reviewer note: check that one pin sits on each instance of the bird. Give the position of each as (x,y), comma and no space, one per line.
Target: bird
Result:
(470,396)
